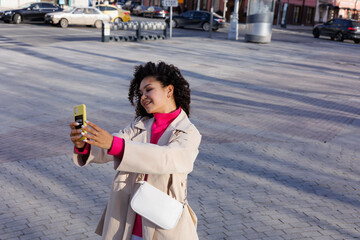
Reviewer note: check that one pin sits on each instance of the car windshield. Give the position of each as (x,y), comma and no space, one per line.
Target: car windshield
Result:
(68,10)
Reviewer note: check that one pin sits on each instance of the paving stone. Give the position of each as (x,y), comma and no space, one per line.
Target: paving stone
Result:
(279,153)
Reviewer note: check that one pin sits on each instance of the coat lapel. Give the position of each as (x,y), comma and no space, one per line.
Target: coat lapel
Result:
(180,124)
(145,126)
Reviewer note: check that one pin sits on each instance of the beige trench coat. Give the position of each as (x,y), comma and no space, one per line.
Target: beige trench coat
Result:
(167,164)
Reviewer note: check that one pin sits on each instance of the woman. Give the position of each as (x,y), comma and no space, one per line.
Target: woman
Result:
(159,146)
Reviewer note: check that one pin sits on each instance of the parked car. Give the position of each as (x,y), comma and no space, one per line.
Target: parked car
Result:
(117,15)
(30,12)
(130,5)
(339,29)
(155,11)
(197,19)
(89,16)
(139,10)
(118,3)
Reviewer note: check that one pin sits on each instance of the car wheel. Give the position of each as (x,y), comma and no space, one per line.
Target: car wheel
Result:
(174,24)
(98,24)
(316,33)
(339,37)
(17,18)
(117,20)
(206,26)
(6,21)
(64,23)
(356,40)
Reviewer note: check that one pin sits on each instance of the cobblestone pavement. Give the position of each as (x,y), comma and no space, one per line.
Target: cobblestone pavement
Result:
(280,123)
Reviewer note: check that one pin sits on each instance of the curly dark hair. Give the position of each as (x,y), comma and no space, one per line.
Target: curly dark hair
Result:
(166,74)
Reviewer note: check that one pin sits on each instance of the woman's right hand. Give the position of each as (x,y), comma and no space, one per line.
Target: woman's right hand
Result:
(75,135)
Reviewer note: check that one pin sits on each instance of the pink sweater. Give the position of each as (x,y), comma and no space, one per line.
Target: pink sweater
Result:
(162,121)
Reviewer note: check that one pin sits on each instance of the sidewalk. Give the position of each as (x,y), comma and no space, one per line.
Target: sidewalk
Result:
(279,123)
(295,28)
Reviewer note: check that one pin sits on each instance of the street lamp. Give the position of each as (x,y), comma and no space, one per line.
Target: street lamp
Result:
(211,18)
(303,13)
(278,13)
(234,19)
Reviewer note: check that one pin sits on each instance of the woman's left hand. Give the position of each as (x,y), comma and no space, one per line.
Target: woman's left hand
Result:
(97,136)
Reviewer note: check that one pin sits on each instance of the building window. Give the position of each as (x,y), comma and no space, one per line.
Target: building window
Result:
(203,5)
(309,15)
(296,14)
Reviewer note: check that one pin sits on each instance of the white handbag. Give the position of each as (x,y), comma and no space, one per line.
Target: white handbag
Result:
(156,206)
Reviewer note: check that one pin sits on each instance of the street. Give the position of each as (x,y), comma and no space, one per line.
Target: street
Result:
(279,157)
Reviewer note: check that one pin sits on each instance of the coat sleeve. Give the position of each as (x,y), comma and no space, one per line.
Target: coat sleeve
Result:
(99,155)
(177,156)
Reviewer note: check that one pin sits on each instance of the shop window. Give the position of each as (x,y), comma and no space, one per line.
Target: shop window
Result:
(296,15)
(309,15)
(203,5)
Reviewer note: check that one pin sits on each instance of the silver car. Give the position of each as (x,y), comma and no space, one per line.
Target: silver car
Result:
(78,16)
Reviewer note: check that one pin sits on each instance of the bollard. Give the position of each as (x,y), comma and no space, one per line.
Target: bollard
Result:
(105,33)
(138,32)
(259,20)
(144,37)
(165,33)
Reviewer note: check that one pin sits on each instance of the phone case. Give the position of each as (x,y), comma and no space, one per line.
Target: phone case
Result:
(80,117)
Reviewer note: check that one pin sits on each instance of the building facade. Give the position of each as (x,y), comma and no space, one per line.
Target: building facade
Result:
(298,12)
(347,9)
(295,12)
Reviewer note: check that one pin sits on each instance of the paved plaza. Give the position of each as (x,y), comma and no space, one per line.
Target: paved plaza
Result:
(279,157)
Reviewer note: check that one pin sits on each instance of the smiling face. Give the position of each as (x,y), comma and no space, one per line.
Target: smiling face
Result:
(155,98)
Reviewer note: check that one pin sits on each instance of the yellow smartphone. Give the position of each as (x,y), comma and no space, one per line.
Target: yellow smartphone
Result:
(80,117)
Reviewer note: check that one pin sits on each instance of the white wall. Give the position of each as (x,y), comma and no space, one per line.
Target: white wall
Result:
(80,3)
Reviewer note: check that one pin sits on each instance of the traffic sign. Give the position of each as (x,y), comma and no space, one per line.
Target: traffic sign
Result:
(170,3)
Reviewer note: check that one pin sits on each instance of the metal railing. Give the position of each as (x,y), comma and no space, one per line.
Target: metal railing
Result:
(141,31)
